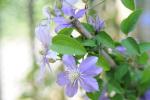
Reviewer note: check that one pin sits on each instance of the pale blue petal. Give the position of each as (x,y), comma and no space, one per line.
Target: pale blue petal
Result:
(62,79)
(71,89)
(69,61)
(80,13)
(89,84)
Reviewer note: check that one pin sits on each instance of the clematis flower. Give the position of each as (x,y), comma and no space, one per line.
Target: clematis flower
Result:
(62,22)
(121,49)
(42,33)
(73,76)
(97,23)
(146,96)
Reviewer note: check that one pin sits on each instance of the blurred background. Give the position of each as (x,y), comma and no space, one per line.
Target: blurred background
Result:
(18,68)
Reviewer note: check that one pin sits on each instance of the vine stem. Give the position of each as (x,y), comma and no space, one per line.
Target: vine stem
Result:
(81,29)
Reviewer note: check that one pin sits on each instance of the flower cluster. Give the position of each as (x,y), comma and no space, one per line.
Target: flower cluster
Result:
(94,52)
(83,74)
(74,75)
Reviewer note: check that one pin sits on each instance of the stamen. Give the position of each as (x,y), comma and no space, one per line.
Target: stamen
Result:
(74,75)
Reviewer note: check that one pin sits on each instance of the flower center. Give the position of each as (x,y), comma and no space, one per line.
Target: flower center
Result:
(73,75)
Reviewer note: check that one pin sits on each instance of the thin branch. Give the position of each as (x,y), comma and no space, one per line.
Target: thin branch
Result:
(81,29)
(96,5)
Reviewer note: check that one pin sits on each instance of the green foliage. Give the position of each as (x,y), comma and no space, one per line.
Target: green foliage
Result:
(66,31)
(103,63)
(144,47)
(143,58)
(89,42)
(88,27)
(131,45)
(129,4)
(114,86)
(145,75)
(104,39)
(121,70)
(128,24)
(66,45)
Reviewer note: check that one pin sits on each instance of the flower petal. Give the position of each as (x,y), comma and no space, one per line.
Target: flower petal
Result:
(89,61)
(80,13)
(71,89)
(89,84)
(60,20)
(91,70)
(147,95)
(67,10)
(62,79)
(60,27)
(91,21)
(46,12)
(88,66)
(42,33)
(57,11)
(42,71)
(51,55)
(69,61)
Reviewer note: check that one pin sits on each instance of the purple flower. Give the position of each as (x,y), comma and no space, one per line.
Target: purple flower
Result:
(83,75)
(146,96)
(96,23)
(69,11)
(43,34)
(104,95)
(121,49)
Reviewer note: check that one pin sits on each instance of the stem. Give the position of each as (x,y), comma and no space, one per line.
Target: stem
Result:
(81,29)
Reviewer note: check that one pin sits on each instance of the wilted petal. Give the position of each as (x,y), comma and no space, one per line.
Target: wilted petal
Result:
(89,84)
(57,11)
(71,89)
(69,61)
(62,79)
(43,34)
(46,12)
(52,55)
(42,71)
(80,13)
(67,10)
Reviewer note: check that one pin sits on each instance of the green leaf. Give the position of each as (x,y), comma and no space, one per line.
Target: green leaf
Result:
(143,58)
(66,31)
(104,39)
(144,47)
(129,4)
(102,62)
(114,86)
(118,97)
(93,95)
(121,70)
(128,24)
(131,45)
(90,43)
(146,75)
(88,27)
(67,45)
